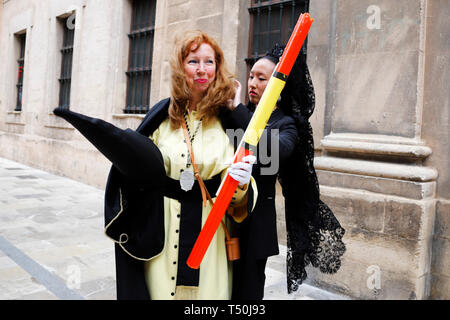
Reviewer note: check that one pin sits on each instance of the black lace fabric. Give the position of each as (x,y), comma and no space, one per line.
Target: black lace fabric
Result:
(314,235)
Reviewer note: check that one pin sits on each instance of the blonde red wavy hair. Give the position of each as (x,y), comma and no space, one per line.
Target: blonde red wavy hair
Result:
(218,93)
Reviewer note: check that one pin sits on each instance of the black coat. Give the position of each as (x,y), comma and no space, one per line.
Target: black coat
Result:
(258,234)
(134,216)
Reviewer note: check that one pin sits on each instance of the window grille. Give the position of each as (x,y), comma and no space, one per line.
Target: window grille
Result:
(68,25)
(20,61)
(140,56)
(271,22)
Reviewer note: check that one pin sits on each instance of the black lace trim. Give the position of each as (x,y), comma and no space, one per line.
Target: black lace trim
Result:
(322,248)
(314,235)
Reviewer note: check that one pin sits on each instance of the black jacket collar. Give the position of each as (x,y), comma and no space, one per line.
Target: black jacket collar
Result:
(160,111)
(157,114)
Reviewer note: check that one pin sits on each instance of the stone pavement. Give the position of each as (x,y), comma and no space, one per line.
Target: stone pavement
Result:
(52,244)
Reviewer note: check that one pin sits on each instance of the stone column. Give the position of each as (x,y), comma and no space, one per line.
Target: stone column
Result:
(372,170)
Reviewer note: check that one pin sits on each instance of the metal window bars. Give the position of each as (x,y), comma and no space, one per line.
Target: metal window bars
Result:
(66,63)
(140,56)
(20,61)
(271,22)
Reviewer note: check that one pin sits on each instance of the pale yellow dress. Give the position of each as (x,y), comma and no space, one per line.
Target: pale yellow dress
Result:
(212,149)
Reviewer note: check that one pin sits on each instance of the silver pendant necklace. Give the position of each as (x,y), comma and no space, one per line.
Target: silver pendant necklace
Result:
(187,177)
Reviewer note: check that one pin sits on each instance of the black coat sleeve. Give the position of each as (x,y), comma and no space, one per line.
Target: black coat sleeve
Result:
(287,138)
(134,155)
(239,118)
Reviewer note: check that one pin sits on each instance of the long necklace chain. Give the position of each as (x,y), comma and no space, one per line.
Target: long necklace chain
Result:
(191,137)
(188,129)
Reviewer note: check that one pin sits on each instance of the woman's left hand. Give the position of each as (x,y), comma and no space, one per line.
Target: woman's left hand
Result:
(242,171)
(237,96)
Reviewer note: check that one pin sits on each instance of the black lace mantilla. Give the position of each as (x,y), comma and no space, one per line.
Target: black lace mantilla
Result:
(314,235)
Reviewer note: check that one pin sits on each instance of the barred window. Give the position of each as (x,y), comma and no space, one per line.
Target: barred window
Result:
(21,39)
(271,22)
(140,56)
(68,25)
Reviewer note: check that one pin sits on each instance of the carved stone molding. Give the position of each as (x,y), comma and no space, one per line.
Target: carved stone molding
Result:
(388,147)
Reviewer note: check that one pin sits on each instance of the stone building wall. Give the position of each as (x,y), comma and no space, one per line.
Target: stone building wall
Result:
(98,75)
(381,123)
(385,158)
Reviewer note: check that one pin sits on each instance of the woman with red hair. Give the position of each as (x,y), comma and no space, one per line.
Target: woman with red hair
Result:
(155,200)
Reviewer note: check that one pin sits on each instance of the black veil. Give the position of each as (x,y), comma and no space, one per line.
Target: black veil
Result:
(314,235)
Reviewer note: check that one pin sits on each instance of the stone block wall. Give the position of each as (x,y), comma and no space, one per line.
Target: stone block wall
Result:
(382,164)
(440,276)
(386,233)
(100,59)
